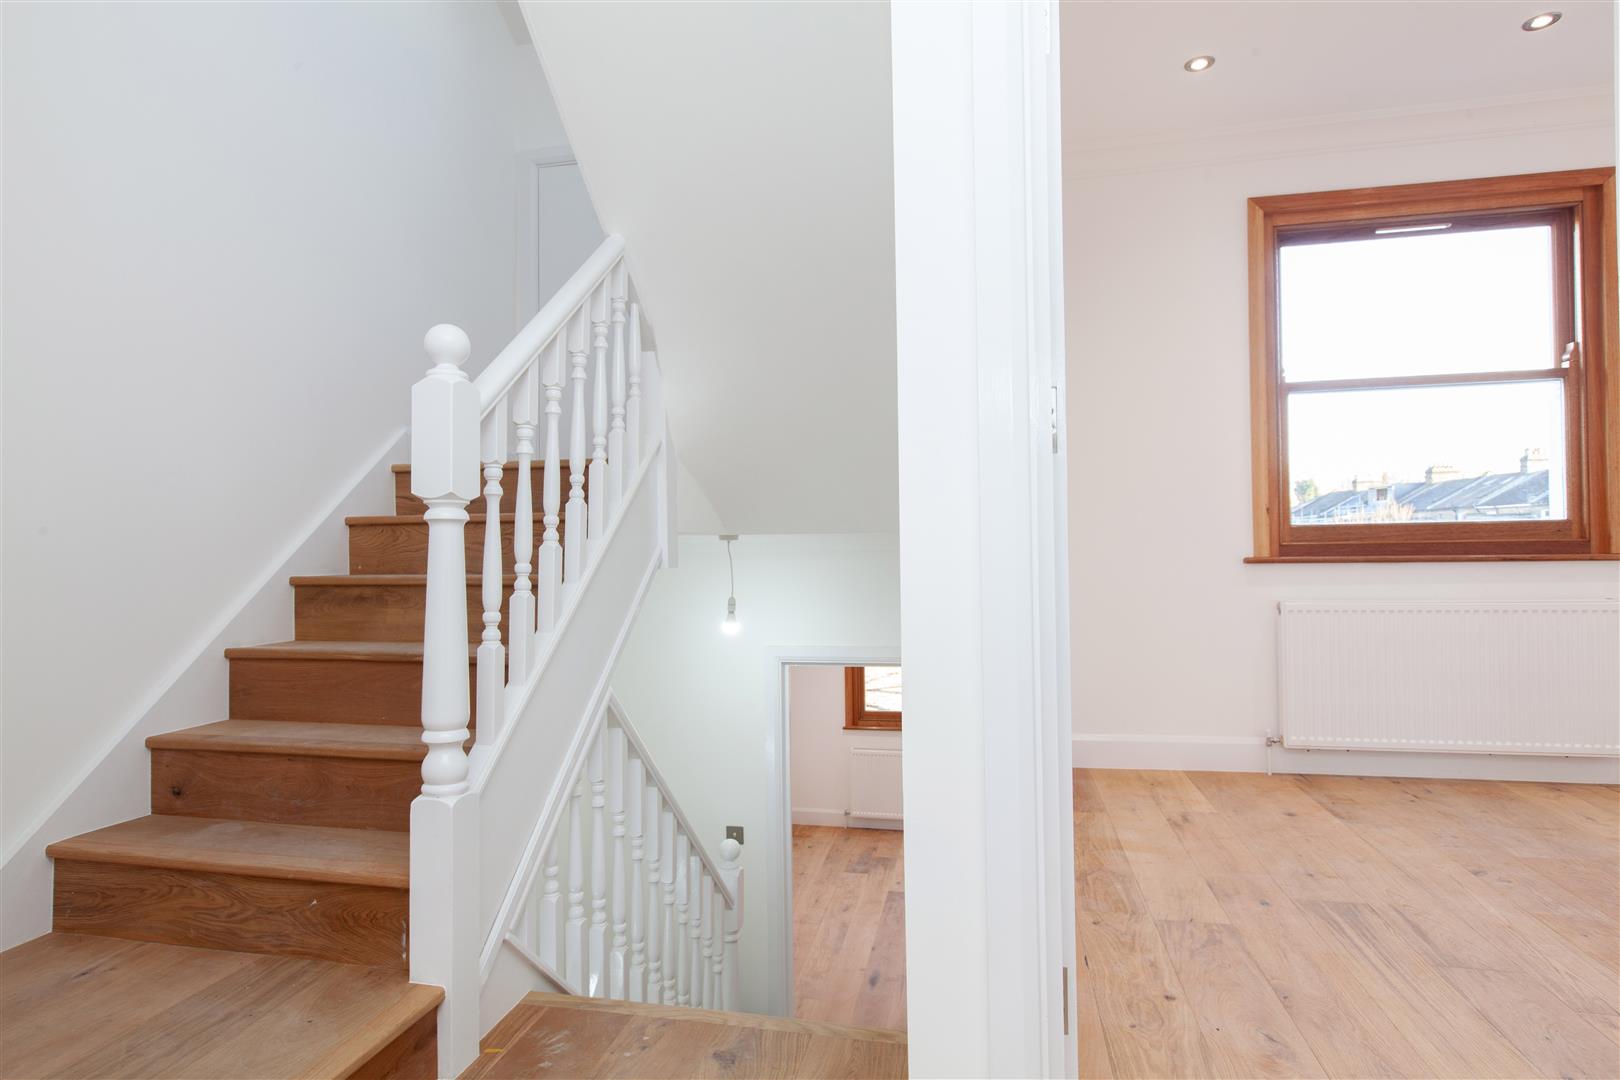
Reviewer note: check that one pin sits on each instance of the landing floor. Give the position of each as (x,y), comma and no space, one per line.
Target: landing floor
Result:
(1244,925)
(849,933)
(561,1036)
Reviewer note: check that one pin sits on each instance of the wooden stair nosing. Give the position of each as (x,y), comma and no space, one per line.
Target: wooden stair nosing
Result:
(390,652)
(474,581)
(373,857)
(372,742)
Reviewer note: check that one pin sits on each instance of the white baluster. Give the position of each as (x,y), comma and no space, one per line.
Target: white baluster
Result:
(636,790)
(574,935)
(708,942)
(549,912)
(731,873)
(615,438)
(520,609)
(551,557)
(683,954)
(668,966)
(597,500)
(632,401)
(444,475)
(618,955)
(491,654)
(694,930)
(574,518)
(599,926)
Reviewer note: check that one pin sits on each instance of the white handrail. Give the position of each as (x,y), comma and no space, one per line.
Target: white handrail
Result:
(503,372)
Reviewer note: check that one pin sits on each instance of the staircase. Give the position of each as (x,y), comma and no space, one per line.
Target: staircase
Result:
(279,832)
(359,871)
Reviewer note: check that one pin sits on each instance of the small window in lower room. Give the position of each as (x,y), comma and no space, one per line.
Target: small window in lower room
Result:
(872,698)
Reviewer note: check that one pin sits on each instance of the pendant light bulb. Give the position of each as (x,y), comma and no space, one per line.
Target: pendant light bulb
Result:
(730,626)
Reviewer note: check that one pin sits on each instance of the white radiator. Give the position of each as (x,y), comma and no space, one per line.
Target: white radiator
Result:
(1505,678)
(874,783)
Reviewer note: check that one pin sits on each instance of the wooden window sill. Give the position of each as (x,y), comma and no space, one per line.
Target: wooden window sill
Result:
(1427,558)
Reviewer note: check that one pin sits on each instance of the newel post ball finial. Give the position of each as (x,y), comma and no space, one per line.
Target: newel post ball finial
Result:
(729,850)
(448,347)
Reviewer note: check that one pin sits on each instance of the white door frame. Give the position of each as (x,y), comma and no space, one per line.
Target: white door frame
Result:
(526,298)
(778,658)
(989,875)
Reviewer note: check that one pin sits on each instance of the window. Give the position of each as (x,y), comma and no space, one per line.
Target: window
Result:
(1429,370)
(872,698)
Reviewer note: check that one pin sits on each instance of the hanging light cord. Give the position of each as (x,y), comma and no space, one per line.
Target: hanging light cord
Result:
(731,569)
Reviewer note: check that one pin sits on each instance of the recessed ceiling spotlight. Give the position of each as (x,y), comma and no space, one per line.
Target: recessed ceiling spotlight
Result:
(1204,63)
(1542,21)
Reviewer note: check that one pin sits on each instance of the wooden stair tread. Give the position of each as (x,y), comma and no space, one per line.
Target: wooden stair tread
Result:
(562,1035)
(419,580)
(417,519)
(248,848)
(378,742)
(88,1006)
(407,652)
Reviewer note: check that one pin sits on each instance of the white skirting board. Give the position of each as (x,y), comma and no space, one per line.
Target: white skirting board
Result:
(838,819)
(1247,753)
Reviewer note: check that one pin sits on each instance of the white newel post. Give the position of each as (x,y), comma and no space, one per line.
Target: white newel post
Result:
(551,560)
(731,873)
(520,609)
(632,399)
(596,983)
(444,819)
(615,438)
(574,517)
(491,653)
(669,967)
(683,955)
(597,500)
(635,785)
(618,954)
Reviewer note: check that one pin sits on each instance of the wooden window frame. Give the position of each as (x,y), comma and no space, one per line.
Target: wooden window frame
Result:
(1581,206)
(856,715)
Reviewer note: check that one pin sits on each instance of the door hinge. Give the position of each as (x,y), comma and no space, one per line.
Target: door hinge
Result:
(1052,414)
(1065,999)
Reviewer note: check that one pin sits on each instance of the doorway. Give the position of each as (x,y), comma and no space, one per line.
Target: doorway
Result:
(846,856)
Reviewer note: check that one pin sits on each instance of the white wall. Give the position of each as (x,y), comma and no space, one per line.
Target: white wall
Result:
(702,701)
(1173,635)
(818,745)
(228,226)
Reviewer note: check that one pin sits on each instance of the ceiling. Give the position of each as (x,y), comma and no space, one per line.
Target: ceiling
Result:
(745,153)
(1282,63)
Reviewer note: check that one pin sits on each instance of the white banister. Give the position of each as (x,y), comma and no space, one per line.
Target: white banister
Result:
(683,890)
(618,952)
(596,480)
(574,517)
(635,794)
(669,931)
(708,942)
(549,915)
(551,561)
(574,933)
(632,400)
(694,931)
(491,653)
(520,609)
(616,406)
(595,983)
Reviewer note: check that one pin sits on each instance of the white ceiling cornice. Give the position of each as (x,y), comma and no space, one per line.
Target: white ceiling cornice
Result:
(1549,112)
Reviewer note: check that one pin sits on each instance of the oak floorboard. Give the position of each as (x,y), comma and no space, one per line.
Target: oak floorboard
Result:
(849,926)
(1403,928)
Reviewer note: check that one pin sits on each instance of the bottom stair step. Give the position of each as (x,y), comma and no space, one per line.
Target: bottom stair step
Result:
(290,890)
(84,1006)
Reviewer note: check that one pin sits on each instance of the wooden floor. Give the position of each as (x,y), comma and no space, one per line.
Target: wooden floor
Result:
(849,935)
(1245,925)
(562,1036)
(80,1005)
